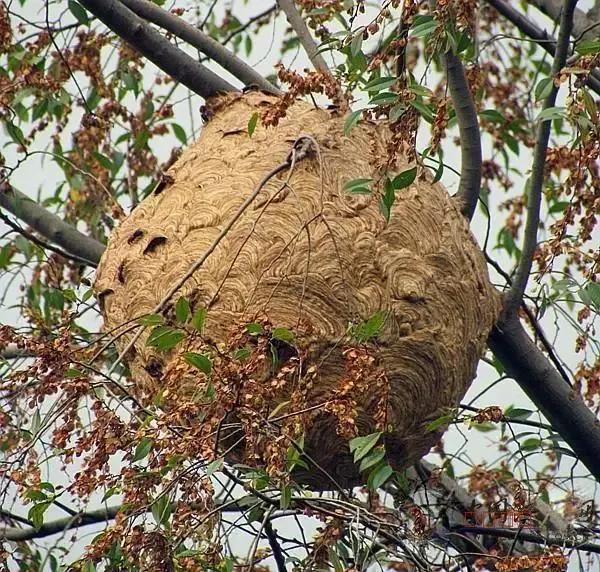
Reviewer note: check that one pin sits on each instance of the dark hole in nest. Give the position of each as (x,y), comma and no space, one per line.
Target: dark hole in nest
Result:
(281,353)
(154,244)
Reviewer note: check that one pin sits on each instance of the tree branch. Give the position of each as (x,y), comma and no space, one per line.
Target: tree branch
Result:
(49,225)
(203,42)
(515,294)
(308,43)
(32,238)
(534,537)
(559,402)
(533,31)
(156,48)
(470,138)
(584,25)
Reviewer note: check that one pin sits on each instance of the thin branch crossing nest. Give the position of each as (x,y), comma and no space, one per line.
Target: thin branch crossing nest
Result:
(390,318)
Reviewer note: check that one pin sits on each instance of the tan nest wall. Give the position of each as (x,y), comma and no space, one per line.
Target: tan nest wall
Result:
(423,267)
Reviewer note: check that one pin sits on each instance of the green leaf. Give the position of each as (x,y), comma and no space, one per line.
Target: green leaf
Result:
(530,444)
(551,113)
(165,338)
(356,44)
(214,467)
(404,179)
(385,98)
(517,413)
(79,12)
(252,124)
(161,510)
(352,120)
(282,334)
(370,328)
(440,421)
(198,319)
(151,320)
(543,88)
(423,26)
(360,446)
(396,112)
(379,84)
(36,514)
(492,115)
(588,47)
(286,497)
(254,329)
(591,293)
(379,476)
(358,186)
(182,310)
(372,459)
(179,132)
(142,449)
(199,361)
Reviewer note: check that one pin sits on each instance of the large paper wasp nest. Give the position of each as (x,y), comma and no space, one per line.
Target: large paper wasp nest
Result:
(309,256)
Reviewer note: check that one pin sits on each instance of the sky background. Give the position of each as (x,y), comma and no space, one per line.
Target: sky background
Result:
(38,176)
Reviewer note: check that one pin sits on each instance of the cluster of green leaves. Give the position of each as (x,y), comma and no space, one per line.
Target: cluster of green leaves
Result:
(391,184)
(370,453)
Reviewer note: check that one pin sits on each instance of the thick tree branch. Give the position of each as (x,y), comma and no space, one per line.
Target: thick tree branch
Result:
(533,31)
(45,245)
(151,44)
(515,294)
(203,42)
(470,138)
(584,24)
(49,225)
(299,26)
(559,402)
(528,536)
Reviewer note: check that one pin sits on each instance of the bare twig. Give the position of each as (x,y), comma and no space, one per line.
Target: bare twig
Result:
(133,29)
(203,42)
(49,225)
(308,43)
(517,290)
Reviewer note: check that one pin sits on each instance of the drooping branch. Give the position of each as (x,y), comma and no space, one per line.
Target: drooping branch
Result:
(468,126)
(151,44)
(203,42)
(308,43)
(559,402)
(586,25)
(533,31)
(515,294)
(49,225)
(470,138)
